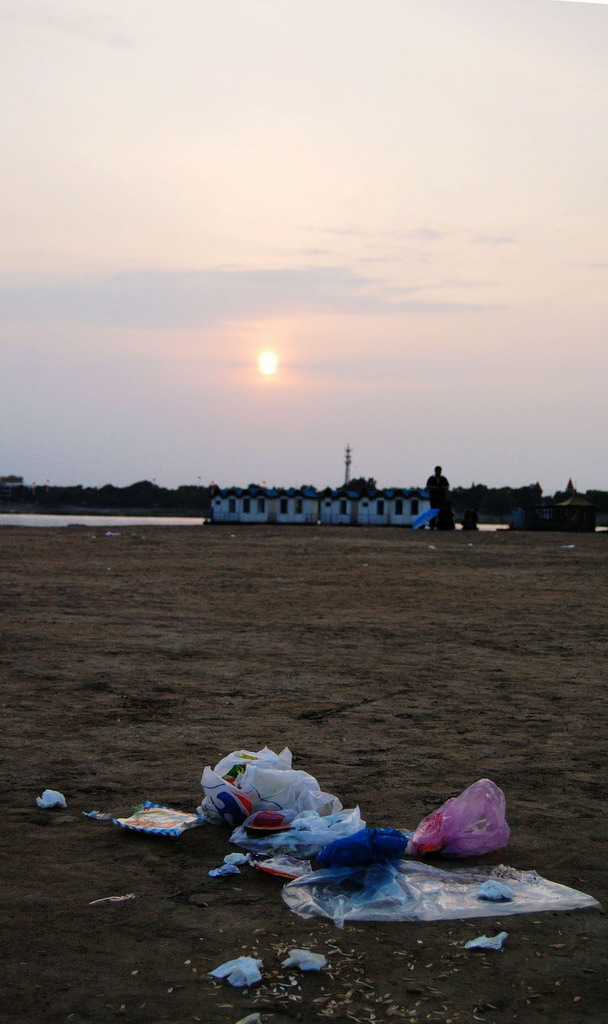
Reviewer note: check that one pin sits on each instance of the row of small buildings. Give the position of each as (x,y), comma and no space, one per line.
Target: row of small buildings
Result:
(305,505)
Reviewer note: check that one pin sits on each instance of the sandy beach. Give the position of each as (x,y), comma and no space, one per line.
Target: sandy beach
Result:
(399,667)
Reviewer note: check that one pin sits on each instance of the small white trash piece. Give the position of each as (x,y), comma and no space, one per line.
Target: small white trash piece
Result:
(495,891)
(484,942)
(113,899)
(305,960)
(51,798)
(223,870)
(237,858)
(244,970)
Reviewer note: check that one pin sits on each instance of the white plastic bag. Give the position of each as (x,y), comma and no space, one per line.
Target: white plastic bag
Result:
(247,781)
(224,800)
(239,759)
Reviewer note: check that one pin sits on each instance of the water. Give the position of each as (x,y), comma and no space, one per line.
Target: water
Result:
(28,519)
(111,522)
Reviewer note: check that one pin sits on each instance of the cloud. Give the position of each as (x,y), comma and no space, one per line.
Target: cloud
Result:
(426,234)
(419,234)
(494,240)
(65,19)
(194,299)
(347,231)
(458,282)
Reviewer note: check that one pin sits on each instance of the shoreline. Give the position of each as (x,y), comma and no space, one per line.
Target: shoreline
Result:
(76,510)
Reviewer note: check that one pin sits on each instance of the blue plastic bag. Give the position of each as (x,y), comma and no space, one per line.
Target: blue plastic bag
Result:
(368,846)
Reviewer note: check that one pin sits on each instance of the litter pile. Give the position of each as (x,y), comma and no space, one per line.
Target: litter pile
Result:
(283,819)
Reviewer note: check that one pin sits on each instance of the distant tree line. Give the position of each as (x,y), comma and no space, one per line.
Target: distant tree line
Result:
(494,502)
(491,503)
(141,495)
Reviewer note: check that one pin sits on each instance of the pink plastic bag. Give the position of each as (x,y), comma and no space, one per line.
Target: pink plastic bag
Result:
(465,825)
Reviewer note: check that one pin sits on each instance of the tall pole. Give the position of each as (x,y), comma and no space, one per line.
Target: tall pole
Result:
(347,462)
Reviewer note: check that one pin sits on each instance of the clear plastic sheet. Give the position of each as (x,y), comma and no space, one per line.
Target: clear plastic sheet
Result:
(415,891)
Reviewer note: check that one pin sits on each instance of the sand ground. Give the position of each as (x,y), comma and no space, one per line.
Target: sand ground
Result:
(398,667)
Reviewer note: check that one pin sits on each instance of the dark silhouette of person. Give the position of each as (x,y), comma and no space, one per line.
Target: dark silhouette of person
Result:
(445,519)
(469,520)
(438,492)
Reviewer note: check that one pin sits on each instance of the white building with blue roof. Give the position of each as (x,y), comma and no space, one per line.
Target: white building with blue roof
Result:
(388,507)
(305,505)
(265,505)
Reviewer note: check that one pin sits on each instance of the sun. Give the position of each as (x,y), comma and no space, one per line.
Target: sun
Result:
(268,363)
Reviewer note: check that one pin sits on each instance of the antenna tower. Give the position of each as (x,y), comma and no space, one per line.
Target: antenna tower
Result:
(347,462)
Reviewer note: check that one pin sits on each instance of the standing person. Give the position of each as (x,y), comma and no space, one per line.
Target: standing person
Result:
(438,492)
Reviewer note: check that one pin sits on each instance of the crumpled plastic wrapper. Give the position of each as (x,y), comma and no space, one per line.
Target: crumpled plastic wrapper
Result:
(484,942)
(242,971)
(51,798)
(305,960)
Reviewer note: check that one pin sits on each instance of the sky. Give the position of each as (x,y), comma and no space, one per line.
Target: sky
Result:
(403,200)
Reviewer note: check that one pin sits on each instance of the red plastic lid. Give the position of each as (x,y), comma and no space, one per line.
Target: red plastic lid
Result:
(266,818)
